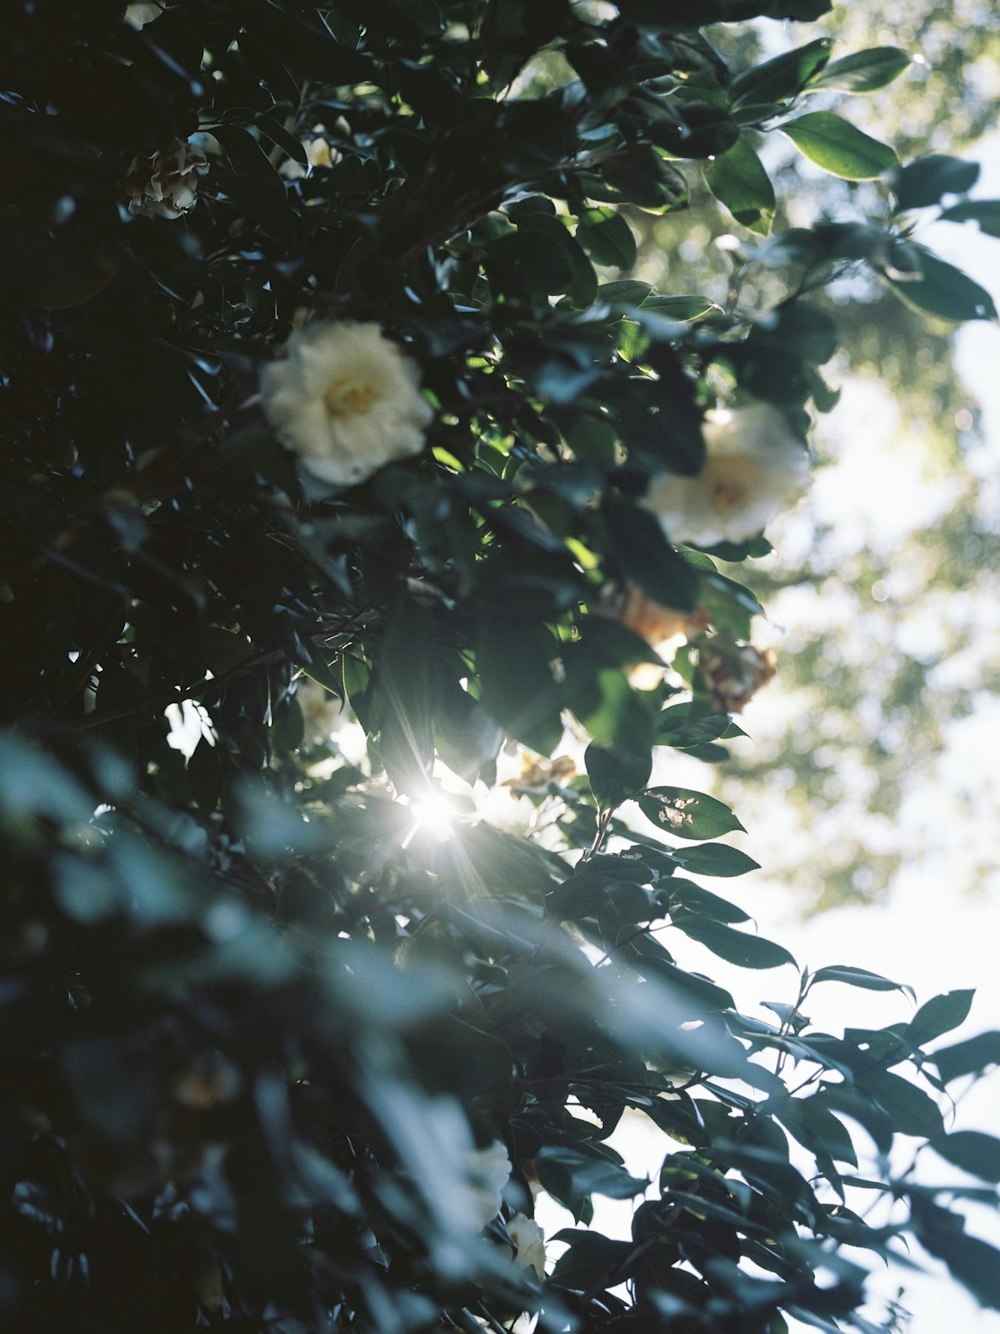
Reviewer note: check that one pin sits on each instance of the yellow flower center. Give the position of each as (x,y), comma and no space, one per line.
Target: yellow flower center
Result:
(729,484)
(349,398)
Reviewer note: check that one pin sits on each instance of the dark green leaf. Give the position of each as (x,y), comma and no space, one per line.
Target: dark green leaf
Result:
(683,307)
(615,775)
(686,895)
(939,1016)
(910,1109)
(922,183)
(984,212)
(644,555)
(607,238)
(687,814)
(783,77)
(863,71)
(737,179)
(970,1057)
(857,977)
(940,289)
(714,859)
(734,946)
(972,1151)
(838,147)
(514,662)
(590,1256)
(589,1173)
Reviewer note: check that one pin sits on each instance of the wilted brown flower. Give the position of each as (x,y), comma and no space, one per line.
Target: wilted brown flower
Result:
(165,185)
(537,773)
(651,621)
(733,672)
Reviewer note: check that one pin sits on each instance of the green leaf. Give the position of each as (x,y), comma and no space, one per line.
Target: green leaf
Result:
(253,186)
(939,1015)
(530,262)
(644,555)
(922,183)
(938,288)
(910,1109)
(517,685)
(684,308)
(970,1057)
(687,814)
(714,859)
(782,78)
(984,212)
(590,1255)
(838,147)
(588,1173)
(857,977)
(678,893)
(972,1261)
(607,238)
(972,1151)
(863,71)
(616,775)
(734,946)
(639,175)
(737,179)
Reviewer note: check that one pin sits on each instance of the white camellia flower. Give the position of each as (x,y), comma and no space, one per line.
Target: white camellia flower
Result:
(346,399)
(529,1239)
(138,15)
(755,467)
(165,185)
(487,1172)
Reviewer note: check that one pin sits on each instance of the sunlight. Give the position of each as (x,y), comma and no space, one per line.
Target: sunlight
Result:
(434,815)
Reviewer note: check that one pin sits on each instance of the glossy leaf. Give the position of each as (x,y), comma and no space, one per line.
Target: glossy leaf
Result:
(737,179)
(686,814)
(863,71)
(838,147)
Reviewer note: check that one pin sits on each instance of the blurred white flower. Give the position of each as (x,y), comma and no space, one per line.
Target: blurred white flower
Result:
(322,712)
(529,1239)
(319,153)
(487,1172)
(165,185)
(138,15)
(346,400)
(755,467)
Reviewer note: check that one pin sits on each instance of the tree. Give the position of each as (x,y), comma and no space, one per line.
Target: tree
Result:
(326,379)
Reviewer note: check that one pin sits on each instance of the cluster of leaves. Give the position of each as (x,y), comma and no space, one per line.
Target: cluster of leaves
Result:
(249,1009)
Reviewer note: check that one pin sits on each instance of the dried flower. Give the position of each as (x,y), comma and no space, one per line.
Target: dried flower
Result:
(165,185)
(346,400)
(732,672)
(755,467)
(538,773)
(626,603)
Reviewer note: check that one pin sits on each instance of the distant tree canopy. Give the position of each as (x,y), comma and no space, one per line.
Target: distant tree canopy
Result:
(371,531)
